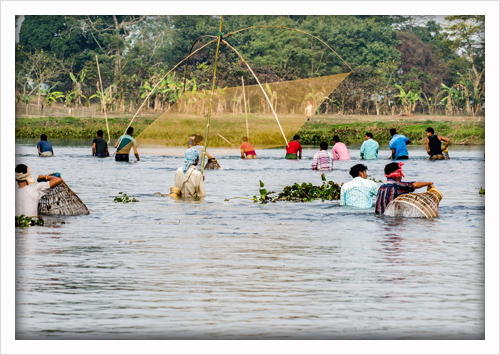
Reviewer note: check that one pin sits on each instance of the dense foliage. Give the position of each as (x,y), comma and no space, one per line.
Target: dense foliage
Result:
(402,64)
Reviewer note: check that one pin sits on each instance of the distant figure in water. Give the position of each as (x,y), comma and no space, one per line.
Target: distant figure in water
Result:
(339,150)
(187,178)
(198,145)
(191,141)
(322,159)
(293,148)
(100,146)
(308,110)
(369,148)
(44,147)
(247,150)
(433,145)
(394,187)
(28,193)
(126,142)
(360,191)
(398,144)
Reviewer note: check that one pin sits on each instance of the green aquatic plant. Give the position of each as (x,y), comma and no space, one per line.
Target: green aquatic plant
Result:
(123,198)
(481,191)
(23,221)
(373,179)
(305,192)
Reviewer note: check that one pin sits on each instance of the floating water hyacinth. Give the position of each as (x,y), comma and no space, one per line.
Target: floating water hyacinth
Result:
(123,198)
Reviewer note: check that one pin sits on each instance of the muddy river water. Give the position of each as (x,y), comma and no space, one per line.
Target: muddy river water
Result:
(165,269)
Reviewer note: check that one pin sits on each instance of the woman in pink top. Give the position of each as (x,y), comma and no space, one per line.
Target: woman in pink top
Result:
(339,150)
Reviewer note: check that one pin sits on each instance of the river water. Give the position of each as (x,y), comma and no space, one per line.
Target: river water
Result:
(215,269)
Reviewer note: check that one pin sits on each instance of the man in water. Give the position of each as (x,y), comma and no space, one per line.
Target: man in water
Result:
(308,110)
(44,147)
(100,146)
(247,150)
(394,187)
(322,159)
(198,145)
(28,193)
(124,144)
(433,145)
(187,178)
(293,148)
(398,145)
(360,191)
(369,148)
(339,150)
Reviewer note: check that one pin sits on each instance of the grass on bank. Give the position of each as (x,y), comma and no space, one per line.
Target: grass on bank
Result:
(459,132)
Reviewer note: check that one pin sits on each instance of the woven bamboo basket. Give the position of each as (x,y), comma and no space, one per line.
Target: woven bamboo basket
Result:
(423,205)
(62,201)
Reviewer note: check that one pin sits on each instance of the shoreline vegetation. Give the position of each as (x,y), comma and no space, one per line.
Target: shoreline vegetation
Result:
(461,130)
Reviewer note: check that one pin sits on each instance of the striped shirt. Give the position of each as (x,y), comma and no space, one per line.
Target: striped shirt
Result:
(126,143)
(322,160)
(389,191)
(358,193)
(369,149)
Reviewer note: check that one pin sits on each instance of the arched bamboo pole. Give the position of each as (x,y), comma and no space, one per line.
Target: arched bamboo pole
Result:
(187,61)
(158,83)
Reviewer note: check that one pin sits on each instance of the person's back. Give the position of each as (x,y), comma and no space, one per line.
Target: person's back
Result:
(360,191)
(369,148)
(398,144)
(322,160)
(293,148)
(100,146)
(27,198)
(339,150)
(247,150)
(44,148)
(124,144)
(187,178)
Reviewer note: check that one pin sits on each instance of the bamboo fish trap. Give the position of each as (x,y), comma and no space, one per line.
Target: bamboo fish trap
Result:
(414,204)
(62,201)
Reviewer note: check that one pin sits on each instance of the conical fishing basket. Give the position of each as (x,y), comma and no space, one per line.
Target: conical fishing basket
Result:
(62,201)
(414,204)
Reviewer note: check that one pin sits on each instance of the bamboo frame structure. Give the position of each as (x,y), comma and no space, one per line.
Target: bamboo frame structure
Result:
(102,99)
(245,105)
(211,97)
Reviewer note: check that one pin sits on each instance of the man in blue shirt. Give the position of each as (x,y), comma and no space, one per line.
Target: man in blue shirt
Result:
(369,148)
(398,145)
(44,147)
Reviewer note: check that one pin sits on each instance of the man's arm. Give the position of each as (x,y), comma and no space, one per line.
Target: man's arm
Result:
(362,150)
(393,152)
(447,141)
(53,180)
(242,154)
(39,151)
(107,152)
(408,141)
(136,154)
(93,149)
(427,147)
(300,152)
(419,184)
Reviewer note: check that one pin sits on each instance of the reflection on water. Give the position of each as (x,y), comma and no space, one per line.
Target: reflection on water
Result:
(165,269)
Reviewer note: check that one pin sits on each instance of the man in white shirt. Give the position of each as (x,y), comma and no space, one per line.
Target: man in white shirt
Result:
(28,193)
(360,191)
(187,178)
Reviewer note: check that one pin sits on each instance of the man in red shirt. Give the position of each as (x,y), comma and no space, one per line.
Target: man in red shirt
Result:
(294,147)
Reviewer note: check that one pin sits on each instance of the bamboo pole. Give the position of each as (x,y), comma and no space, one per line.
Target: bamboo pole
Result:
(260,85)
(211,97)
(102,99)
(158,83)
(245,104)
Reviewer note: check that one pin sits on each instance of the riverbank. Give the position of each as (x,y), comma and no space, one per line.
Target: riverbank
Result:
(351,129)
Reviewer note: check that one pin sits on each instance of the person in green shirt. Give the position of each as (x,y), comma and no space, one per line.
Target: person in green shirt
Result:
(124,144)
(369,148)
(100,146)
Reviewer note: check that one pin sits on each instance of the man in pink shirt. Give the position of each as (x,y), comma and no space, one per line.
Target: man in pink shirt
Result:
(339,150)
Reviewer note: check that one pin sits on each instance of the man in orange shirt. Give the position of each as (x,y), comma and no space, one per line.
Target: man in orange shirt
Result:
(247,149)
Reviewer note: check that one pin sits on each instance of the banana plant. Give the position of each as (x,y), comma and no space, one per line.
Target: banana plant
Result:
(77,92)
(450,98)
(107,97)
(51,96)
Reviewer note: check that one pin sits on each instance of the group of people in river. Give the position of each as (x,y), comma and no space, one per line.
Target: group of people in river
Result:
(189,181)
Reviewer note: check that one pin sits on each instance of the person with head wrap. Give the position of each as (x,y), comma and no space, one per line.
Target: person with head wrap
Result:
(394,187)
(29,192)
(187,178)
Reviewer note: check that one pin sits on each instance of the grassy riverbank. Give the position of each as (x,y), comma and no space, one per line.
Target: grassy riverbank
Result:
(350,129)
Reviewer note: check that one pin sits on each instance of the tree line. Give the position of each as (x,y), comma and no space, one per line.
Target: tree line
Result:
(401,64)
